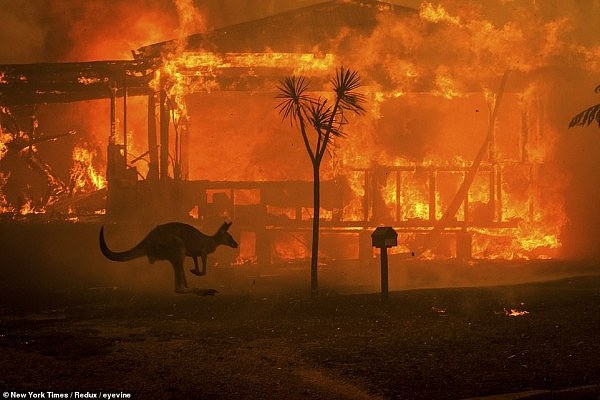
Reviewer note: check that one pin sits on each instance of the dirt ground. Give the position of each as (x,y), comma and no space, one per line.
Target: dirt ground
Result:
(73,323)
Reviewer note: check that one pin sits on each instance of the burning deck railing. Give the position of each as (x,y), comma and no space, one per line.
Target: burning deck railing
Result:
(276,216)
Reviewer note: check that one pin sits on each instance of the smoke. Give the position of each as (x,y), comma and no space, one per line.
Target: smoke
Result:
(22,22)
(58,31)
(63,30)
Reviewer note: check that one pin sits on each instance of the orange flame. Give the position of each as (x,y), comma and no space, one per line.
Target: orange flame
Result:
(191,72)
(84,176)
(5,138)
(436,14)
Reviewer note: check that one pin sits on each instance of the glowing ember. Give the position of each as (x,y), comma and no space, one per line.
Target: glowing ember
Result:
(5,138)
(28,208)
(513,312)
(88,81)
(194,212)
(440,311)
(4,206)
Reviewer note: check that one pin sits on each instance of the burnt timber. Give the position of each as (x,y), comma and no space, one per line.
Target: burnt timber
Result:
(27,84)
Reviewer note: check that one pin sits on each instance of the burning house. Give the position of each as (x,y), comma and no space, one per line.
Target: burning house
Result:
(456,145)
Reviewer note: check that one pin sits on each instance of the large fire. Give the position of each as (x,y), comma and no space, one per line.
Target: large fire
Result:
(432,80)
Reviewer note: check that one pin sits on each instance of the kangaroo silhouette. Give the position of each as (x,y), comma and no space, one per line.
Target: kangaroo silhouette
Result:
(173,242)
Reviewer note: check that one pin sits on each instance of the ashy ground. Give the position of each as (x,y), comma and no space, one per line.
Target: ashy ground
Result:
(442,343)
(72,321)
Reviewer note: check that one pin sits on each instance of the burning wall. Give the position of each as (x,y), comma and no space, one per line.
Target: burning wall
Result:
(431,77)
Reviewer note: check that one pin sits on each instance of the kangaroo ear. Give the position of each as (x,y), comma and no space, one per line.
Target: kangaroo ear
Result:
(225,226)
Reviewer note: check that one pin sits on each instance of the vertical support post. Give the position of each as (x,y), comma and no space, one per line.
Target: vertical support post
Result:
(113,115)
(464,245)
(152,142)
(185,152)
(384,274)
(493,191)
(125,117)
(466,204)
(177,155)
(432,192)
(366,200)
(111,159)
(398,194)
(524,136)
(365,250)
(532,193)
(263,238)
(164,136)
(499,215)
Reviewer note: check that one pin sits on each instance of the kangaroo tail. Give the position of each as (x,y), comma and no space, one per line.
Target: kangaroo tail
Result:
(126,255)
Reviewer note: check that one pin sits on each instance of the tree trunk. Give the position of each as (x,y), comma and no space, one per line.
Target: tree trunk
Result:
(315,231)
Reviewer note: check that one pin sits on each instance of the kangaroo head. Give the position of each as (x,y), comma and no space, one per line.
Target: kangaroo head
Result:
(223,237)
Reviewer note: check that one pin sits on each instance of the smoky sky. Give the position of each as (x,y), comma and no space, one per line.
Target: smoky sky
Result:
(55,31)
(64,30)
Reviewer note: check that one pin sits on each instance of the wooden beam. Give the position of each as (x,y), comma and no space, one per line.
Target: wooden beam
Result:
(164,136)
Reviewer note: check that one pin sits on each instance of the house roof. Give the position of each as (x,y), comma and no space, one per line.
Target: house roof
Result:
(302,30)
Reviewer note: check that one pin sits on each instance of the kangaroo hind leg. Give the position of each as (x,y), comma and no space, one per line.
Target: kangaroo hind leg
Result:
(196,270)
(177,259)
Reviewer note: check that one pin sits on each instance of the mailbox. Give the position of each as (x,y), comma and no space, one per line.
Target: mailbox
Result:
(384,237)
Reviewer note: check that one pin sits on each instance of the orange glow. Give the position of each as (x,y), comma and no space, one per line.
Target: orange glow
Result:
(84,176)
(290,246)
(4,206)
(5,138)
(197,72)
(28,208)
(446,87)
(247,252)
(513,312)
(110,33)
(88,81)
(191,19)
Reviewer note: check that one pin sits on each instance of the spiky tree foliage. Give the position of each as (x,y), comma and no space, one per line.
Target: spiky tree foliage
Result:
(319,121)
(587,116)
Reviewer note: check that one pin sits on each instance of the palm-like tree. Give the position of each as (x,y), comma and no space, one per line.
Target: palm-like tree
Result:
(326,120)
(587,116)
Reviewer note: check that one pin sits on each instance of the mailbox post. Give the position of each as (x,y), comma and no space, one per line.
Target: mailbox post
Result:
(382,238)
